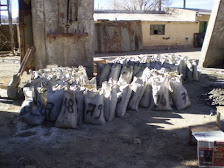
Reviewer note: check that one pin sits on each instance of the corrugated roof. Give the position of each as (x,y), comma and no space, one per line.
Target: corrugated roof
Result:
(142,17)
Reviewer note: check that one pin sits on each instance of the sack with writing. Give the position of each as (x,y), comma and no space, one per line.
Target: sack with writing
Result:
(68,114)
(94,108)
(179,94)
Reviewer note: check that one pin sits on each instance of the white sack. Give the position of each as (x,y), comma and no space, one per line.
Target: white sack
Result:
(68,114)
(138,71)
(126,74)
(80,101)
(90,84)
(35,117)
(146,74)
(189,71)
(115,72)
(124,96)
(110,100)
(12,90)
(138,89)
(104,74)
(183,69)
(28,102)
(147,97)
(54,103)
(195,71)
(94,108)
(161,90)
(179,94)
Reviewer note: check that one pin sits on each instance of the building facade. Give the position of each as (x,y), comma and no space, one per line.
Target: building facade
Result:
(175,28)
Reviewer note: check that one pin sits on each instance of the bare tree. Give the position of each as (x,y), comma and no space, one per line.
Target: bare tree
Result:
(140,4)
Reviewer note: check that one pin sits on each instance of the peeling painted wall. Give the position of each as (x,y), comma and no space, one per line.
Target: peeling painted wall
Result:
(63,33)
(118,36)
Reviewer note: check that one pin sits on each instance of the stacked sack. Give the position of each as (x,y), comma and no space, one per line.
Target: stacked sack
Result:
(171,63)
(58,95)
(67,97)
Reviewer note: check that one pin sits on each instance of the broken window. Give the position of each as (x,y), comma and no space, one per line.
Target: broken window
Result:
(157,29)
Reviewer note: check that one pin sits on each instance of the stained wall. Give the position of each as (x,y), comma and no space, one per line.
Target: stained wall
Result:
(63,33)
(118,36)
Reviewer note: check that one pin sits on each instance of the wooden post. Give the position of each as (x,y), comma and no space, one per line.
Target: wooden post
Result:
(184,6)
(11,30)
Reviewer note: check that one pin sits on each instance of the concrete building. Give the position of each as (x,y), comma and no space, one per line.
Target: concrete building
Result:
(175,28)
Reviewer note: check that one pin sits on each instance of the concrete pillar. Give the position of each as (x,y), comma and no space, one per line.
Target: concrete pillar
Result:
(213,51)
(63,33)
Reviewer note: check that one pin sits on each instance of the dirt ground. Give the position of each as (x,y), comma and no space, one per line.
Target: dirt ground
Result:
(144,139)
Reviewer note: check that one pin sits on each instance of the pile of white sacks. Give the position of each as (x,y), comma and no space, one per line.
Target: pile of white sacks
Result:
(67,97)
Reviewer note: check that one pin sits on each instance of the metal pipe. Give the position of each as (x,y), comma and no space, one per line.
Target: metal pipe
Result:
(184,6)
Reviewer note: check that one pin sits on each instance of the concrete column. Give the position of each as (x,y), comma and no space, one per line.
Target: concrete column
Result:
(62,34)
(213,51)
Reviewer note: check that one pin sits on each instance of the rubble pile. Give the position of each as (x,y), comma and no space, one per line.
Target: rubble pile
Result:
(214,95)
(67,97)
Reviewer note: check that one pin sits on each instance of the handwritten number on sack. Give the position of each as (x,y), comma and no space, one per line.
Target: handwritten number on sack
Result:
(100,107)
(184,97)
(49,108)
(68,105)
(92,108)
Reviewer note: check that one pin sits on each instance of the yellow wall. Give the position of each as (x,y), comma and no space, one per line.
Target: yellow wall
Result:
(176,31)
(204,18)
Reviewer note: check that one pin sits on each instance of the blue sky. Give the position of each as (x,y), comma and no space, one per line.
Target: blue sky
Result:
(200,4)
(15,8)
